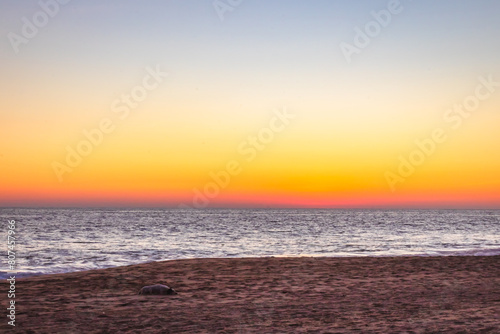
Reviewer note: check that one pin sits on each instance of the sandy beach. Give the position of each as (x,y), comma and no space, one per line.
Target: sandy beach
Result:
(269,295)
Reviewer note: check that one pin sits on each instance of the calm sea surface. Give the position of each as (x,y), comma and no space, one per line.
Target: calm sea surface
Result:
(62,240)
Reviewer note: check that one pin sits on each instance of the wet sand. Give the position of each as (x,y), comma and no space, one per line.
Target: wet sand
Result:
(268,295)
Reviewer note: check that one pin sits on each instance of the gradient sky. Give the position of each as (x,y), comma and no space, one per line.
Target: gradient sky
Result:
(353,121)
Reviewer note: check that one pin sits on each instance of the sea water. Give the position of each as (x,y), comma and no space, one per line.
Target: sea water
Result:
(64,240)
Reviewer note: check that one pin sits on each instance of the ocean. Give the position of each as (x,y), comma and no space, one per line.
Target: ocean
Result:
(65,240)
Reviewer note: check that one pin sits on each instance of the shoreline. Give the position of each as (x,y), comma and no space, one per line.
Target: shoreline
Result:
(414,294)
(466,253)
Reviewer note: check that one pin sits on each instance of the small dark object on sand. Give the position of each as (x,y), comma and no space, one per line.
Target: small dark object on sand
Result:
(157,289)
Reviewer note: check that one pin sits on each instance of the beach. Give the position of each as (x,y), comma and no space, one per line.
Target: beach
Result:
(451,294)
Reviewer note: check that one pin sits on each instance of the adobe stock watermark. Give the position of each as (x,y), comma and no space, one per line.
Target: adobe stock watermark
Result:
(223,6)
(121,107)
(248,151)
(12,271)
(30,27)
(373,28)
(454,118)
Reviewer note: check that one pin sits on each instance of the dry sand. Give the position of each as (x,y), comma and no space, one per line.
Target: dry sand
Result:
(269,295)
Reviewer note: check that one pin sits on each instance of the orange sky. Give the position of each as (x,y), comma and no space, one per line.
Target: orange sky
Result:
(144,111)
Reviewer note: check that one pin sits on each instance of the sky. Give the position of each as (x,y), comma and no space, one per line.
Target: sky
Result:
(250,103)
